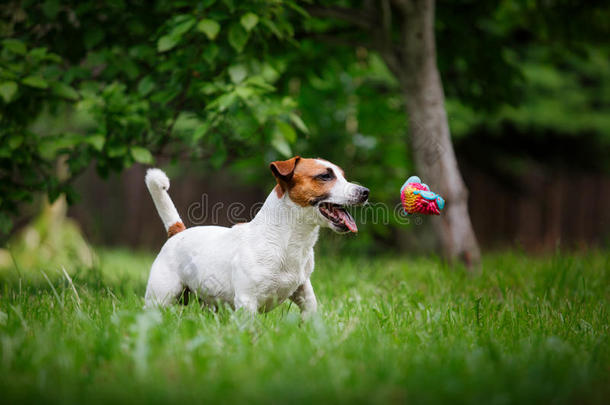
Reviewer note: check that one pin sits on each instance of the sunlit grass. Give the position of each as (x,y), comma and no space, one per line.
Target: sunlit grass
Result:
(389,330)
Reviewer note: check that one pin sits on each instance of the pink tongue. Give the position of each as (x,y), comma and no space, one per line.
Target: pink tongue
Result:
(347,220)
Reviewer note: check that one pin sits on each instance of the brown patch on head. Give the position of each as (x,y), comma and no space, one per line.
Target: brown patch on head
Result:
(308,185)
(283,171)
(175,228)
(303,180)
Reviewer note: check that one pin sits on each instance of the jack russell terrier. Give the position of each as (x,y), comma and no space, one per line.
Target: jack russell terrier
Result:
(255,265)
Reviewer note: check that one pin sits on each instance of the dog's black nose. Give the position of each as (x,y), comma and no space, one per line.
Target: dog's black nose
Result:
(364,194)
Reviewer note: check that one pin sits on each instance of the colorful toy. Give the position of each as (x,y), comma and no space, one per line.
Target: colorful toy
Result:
(417,198)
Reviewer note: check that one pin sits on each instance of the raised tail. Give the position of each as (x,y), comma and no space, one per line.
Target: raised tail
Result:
(158,184)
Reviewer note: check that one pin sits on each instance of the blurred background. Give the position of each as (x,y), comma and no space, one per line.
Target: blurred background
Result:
(93,93)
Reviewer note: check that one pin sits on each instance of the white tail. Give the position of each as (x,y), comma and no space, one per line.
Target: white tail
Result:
(158,184)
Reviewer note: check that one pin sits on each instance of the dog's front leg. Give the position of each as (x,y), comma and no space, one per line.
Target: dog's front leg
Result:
(246,303)
(246,292)
(305,299)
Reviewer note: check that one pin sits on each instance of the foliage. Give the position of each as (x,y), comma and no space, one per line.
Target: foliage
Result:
(528,330)
(570,99)
(242,83)
(184,79)
(501,61)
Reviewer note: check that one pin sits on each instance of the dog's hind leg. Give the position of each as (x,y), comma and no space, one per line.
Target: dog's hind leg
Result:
(164,286)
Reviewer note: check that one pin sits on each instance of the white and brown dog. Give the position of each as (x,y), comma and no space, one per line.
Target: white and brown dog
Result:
(256,265)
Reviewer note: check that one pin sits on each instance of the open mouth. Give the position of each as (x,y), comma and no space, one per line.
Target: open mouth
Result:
(336,214)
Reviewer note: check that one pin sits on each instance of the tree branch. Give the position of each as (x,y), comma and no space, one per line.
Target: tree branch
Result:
(369,19)
(383,38)
(352,16)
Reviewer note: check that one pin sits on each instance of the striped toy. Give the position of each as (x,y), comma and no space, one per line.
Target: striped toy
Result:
(417,198)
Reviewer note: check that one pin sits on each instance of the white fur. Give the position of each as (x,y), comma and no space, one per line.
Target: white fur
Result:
(343,192)
(254,266)
(158,184)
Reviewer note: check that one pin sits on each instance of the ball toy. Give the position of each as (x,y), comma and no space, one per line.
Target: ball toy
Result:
(417,198)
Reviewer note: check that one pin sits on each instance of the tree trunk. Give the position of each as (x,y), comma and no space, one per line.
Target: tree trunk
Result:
(435,159)
(413,61)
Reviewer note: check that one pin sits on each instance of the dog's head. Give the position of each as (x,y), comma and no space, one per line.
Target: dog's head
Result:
(319,185)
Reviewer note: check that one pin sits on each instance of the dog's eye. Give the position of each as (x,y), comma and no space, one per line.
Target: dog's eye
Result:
(325,176)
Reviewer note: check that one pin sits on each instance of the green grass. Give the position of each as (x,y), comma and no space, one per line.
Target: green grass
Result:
(527,330)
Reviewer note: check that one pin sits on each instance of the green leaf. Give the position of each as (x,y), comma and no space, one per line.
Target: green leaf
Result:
(200,131)
(116,151)
(93,37)
(269,73)
(146,85)
(230,4)
(220,153)
(15,46)
(287,131)
(238,73)
(51,8)
(142,155)
(35,81)
(97,141)
(273,28)
(186,123)
(209,88)
(238,37)
(65,91)
(245,93)
(46,147)
(15,141)
(165,96)
(49,146)
(259,82)
(210,52)
(167,42)
(183,27)
(8,91)
(130,68)
(223,102)
(298,9)
(249,21)
(298,122)
(206,3)
(279,143)
(209,27)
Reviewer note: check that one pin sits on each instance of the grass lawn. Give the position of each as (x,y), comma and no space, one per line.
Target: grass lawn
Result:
(527,330)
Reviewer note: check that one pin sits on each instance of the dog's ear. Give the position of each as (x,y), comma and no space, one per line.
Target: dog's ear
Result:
(284,169)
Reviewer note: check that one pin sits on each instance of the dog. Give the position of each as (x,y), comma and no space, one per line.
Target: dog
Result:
(257,265)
